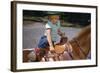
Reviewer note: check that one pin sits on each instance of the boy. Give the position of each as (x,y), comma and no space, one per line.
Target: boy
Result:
(52,33)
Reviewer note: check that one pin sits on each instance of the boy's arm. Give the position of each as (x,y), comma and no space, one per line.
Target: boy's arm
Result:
(48,32)
(62,34)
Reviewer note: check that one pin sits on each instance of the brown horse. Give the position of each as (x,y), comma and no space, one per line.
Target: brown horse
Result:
(80,45)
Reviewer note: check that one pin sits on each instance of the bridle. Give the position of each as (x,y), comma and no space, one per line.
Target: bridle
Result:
(78,44)
(75,40)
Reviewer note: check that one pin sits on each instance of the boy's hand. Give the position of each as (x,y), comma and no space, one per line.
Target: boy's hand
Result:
(52,49)
(62,34)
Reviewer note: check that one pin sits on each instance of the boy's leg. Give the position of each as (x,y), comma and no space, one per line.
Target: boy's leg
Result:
(43,46)
(43,43)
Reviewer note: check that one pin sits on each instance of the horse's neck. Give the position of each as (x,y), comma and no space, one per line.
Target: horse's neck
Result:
(83,40)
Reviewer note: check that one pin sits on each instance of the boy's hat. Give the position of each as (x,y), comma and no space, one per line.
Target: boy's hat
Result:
(53,13)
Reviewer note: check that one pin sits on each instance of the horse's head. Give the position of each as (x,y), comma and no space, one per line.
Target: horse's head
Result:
(82,43)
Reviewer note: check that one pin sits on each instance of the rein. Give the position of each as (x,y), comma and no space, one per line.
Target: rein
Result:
(78,44)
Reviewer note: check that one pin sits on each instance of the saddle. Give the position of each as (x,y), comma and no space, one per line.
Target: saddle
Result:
(59,49)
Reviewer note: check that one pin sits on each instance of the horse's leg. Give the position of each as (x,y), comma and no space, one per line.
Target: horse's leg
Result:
(56,58)
(61,57)
(66,56)
(43,59)
(39,58)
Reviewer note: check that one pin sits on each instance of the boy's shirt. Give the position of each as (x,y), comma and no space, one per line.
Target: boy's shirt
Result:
(54,30)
